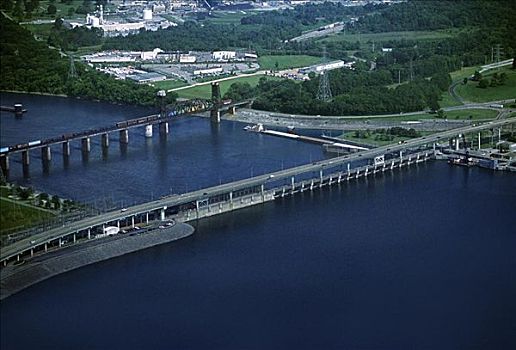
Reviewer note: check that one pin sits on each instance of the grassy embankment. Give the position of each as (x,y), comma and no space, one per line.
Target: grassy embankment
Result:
(169,84)
(227,17)
(18,214)
(471,91)
(286,61)
(374,139)
(204,91)
(388,36)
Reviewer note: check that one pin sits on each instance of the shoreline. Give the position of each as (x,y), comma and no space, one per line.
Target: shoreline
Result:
(73,97)
(16,278)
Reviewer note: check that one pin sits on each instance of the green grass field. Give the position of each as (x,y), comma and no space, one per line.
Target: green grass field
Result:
(15,215)
(350,135)
(204,91)
(225,17)
(287,61)
(387,36)
(169,84)
(475,114)
(471,91)
(446,99)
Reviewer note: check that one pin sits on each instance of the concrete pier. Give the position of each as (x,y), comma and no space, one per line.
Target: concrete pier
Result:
(215,116)
(148,130)
(86,144)
(124,136)
(66,148)
(163,128)
(18,110)
(46,154)
(25,158)
(4,163)
(104,140)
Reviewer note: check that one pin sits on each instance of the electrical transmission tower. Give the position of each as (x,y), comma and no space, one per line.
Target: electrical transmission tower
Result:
(499,53)
(324,92)
(72,73)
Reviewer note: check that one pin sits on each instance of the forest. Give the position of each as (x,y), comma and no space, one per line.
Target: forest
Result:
(355,93)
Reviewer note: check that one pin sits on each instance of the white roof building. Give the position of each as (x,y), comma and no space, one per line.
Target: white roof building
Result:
(223,55)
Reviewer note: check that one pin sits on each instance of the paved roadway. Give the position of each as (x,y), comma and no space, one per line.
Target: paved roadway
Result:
(38,239)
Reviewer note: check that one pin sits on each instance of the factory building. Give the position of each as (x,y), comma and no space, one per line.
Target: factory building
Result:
(208,71)
(223,55)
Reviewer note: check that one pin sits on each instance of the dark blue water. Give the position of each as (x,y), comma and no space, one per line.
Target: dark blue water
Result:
(422,258)
(195,155)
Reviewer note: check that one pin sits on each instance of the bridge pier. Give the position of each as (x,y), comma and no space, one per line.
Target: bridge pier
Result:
(132,221)
(124,136)
(162,213)
(89,233)
(25,163)
(104,140)
(215,115)
(46,154)
(163,128)
(86,144)
(232,110)
(148,130)
(66,148)
(18,110)
(4,163)
(25,158)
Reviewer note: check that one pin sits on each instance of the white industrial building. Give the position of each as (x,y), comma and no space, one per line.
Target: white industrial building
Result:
(187,59)
(223,55)
(319,68)
(150,55)
(205,71)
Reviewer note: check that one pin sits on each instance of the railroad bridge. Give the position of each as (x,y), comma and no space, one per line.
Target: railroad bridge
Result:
(216,106)
(246,192)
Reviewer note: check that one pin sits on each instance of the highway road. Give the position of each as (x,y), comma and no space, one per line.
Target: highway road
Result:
(170,201)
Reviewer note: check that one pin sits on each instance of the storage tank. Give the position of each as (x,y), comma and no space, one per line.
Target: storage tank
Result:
(147,15)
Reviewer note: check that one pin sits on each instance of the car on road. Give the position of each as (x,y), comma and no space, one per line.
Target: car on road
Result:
(123,210)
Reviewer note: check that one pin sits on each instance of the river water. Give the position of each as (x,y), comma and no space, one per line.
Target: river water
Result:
(418,258)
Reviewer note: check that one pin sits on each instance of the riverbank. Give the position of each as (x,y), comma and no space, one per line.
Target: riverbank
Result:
(17,278)
(35,93)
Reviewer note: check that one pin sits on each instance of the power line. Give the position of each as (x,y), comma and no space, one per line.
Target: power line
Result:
(72,73)
(324,92)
